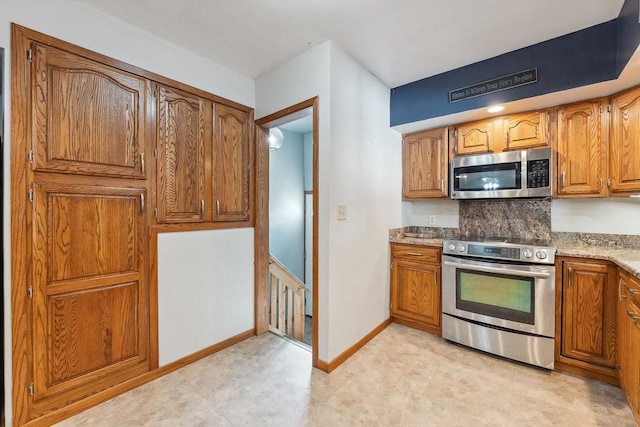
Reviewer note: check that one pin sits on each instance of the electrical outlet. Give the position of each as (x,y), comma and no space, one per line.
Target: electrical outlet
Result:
(341,212)
(432,220)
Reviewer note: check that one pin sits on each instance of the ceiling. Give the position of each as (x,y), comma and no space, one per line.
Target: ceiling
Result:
(399,41)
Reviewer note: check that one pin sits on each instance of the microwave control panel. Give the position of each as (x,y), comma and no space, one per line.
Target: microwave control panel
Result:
(538,173)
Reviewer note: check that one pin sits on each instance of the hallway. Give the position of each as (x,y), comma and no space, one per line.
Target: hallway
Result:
(403,377)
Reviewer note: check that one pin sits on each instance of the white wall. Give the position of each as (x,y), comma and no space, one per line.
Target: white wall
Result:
(359,166)
(609,215)
(200,300)
(286,203)
(366,177)
(302,78)
(446,213)
(81,25)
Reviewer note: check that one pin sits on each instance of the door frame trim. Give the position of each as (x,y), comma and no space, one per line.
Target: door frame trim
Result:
(261,244)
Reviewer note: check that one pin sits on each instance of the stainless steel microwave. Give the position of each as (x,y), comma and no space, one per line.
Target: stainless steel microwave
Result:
(512,174)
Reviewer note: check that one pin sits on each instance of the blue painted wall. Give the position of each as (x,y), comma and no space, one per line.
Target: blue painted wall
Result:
(588,56)
(286,203)
(628,32)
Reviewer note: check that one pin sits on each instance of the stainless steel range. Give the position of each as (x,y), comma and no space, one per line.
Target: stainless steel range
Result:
(498,295)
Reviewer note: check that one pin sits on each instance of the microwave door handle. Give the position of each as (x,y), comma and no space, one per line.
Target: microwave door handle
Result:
(503,270)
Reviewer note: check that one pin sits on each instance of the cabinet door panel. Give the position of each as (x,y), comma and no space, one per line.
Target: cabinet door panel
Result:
(181,140)
(527,130)
(84,231)
(425,165)
(476,137)
(89,328)
(625,142)
(88,118)
(588,318)
(231,164)
(417,292)
(632,357)
(581,149)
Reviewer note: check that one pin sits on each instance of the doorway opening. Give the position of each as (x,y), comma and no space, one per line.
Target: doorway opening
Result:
(286,227)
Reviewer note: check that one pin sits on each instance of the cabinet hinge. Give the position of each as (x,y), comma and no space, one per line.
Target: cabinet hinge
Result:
(155,153)
(601,109)
(31,389)
(30,195)
(30,156)
(155,212)
(30,292)
(609,108)
(392,266)
(29,55)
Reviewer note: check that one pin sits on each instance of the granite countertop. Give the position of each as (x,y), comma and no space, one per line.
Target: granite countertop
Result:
(625,257)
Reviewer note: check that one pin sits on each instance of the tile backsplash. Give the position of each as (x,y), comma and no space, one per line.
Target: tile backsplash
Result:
(517,218)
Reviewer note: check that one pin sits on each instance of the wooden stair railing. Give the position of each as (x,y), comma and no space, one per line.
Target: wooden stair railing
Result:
(286,301)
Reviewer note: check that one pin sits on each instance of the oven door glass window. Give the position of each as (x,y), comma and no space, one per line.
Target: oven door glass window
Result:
(502,176)
(503,296)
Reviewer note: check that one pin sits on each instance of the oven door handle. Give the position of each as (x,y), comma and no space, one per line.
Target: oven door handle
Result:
(496,269)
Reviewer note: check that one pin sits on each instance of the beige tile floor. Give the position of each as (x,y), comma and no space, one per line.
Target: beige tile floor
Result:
(403,377)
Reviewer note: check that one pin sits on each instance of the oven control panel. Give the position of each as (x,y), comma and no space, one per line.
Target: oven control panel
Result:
(500,250)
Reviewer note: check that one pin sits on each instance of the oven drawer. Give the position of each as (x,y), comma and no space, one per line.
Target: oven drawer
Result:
(416,253)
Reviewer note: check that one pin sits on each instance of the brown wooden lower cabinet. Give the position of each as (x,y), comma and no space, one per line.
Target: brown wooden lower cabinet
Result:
(415,287)
(586,318)
(629,339)
(89,321)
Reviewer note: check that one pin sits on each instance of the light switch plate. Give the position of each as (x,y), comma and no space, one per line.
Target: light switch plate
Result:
(341,212)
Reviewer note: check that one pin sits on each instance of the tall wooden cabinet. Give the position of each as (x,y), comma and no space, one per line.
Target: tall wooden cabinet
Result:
(83,198)
(415,287)
(89,324)
(184,128)
(624,147)
(586,304)
(583,130)
(425,164)
(87,296)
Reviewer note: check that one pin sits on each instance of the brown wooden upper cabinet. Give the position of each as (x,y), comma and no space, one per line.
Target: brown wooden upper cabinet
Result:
(527,130)
(624,145)
(477,137)
(88,118)
(513,132)
(184,127)
(231,163)
(425,164)
(582,149)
